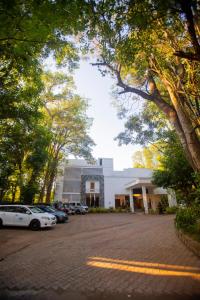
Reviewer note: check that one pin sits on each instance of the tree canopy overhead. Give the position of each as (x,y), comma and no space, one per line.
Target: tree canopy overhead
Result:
(152,49)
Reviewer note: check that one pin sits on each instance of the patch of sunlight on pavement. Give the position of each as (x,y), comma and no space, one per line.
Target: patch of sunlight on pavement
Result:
(144,267)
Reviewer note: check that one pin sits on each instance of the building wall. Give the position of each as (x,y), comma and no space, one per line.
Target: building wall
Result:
(69,185)
(112,186)
(88,178)
(73,185)
(115,182)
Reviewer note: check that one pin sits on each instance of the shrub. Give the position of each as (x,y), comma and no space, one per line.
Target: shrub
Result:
(98,210)
(171,210)
(108,210)
(188,219)
(152,211)
(121,210)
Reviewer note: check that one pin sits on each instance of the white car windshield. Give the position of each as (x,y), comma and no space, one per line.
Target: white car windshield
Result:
(35,209)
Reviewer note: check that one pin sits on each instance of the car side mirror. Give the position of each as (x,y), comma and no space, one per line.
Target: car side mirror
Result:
(28,212)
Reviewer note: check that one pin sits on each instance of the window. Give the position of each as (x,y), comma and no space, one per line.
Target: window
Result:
(13,209)
(9,209)
(3,208)
(92,185)
(35,209)
(21,210)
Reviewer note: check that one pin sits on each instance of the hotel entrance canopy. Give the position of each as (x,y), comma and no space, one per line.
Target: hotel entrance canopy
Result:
(138,183)
(142,183)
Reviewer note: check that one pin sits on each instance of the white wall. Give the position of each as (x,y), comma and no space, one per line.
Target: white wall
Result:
(115,182)
(112,186)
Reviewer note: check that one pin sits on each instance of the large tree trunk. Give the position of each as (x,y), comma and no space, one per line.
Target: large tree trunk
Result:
(44,185)
(179,119)
(49,186)
(51,179)
(174,121)
(191,138)
(171,114)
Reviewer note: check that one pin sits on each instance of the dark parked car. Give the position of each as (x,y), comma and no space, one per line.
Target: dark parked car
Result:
(61,216)
(65,208)
(69,208)
(79,210)
(83,208)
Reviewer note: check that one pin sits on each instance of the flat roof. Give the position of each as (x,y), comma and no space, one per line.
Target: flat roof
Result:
(139,182)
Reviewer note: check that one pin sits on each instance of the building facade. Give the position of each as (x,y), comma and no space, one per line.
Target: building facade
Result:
(99,185)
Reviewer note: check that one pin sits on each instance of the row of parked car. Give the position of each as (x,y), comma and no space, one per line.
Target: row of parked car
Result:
(38,216)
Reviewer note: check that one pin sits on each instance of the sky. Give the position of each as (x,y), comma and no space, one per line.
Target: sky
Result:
(106,125)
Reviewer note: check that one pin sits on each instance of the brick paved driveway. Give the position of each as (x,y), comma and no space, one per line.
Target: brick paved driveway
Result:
(111,256)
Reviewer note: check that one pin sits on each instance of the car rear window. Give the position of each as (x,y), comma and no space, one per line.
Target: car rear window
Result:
(35,209)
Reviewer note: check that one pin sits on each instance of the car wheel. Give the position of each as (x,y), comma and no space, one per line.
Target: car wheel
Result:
(35,225)
(1,223)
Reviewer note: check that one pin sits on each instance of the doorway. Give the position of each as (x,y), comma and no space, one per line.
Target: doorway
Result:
(92,200)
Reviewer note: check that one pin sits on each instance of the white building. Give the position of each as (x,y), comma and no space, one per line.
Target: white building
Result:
(99,185)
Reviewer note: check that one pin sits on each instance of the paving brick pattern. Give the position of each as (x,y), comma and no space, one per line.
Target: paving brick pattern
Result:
(108,253)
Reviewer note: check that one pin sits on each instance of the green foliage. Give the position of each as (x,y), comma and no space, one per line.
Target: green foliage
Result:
(107,210)
(188,219)
(148,125)
(30,32)
(196,191)
(66,120)
(28,193)
(171,210)
(175,170)
(148,157)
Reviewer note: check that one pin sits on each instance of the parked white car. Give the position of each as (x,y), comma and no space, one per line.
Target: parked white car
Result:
(25,215)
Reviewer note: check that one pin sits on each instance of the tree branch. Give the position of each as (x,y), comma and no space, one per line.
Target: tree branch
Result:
(186,8)
(155,95)
(188,55)
(126,88)
(22,40)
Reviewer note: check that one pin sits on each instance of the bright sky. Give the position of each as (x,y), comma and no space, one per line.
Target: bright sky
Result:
(106,125)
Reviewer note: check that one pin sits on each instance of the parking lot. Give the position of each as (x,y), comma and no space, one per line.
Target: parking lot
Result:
(98,256)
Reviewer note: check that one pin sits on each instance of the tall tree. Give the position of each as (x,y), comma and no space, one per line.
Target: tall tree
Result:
(68,123)
(137,41)
(31,31)
(148,157)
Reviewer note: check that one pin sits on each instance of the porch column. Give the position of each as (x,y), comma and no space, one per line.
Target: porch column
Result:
(131,201)
(144,197)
